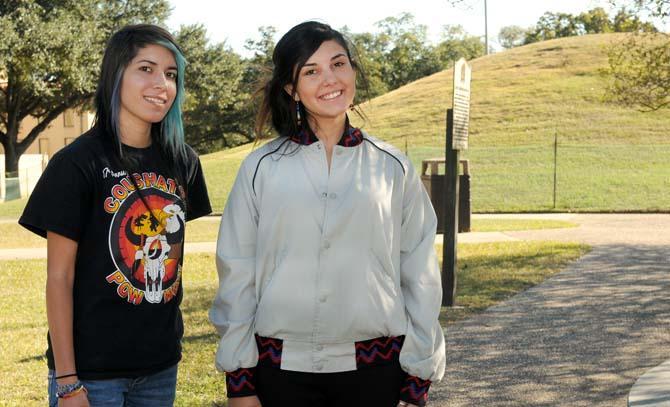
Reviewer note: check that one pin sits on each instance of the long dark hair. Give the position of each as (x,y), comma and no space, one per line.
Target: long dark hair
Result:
(277,108)
(168,134)
(122,47)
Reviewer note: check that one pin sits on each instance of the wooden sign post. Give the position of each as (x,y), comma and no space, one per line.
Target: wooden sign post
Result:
(458,119)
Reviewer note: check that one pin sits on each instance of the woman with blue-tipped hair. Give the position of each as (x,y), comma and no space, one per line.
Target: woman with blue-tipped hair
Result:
(113,206)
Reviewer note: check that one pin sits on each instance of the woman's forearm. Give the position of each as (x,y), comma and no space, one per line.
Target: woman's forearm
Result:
(61,254)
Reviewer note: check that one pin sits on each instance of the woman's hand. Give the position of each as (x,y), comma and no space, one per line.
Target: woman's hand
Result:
(249,401)
(78,400)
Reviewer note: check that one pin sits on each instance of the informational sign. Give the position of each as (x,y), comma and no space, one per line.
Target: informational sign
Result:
(461,104)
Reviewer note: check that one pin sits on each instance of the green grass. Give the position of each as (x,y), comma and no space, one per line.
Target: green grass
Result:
(203,230)
(503,225)
(11,210)
(488,273)
(610,158)
(23,340)
(13,235)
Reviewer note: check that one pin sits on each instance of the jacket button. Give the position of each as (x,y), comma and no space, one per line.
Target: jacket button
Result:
(318,367)
(319,347)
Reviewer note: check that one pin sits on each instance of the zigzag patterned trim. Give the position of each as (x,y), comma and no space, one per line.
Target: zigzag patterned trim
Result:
(351,137)
(269,351)
(415,391)
(240,383)
(378,351)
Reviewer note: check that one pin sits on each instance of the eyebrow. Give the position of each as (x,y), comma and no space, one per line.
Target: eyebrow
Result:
(341,54)
(153,63)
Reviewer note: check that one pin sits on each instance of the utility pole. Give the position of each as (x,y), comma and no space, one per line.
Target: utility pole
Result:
(486,21)
(486,29)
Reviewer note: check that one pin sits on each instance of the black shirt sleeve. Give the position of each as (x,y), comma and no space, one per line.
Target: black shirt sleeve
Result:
(59,201)
(198,200)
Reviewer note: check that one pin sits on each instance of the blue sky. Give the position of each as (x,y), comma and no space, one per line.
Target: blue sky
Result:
(236,21)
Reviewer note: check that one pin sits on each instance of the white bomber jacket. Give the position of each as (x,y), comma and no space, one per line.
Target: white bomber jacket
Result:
(313,262)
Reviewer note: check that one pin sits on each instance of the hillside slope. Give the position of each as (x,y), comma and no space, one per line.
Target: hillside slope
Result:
(522,96)
(610,158)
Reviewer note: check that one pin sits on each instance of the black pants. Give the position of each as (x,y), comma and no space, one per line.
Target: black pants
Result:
(376,386)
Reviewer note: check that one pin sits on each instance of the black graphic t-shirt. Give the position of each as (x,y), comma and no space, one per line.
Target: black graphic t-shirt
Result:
(127,284)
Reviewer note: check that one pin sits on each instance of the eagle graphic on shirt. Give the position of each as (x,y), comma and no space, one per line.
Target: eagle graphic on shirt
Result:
(146,237)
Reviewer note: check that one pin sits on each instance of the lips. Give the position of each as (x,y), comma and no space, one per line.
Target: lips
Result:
(331,95)
(155,100)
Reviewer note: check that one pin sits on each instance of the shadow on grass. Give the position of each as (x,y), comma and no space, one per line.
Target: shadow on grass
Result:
(36,358)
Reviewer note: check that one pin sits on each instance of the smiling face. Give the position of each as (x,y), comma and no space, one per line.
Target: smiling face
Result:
(148,88)
(326,85)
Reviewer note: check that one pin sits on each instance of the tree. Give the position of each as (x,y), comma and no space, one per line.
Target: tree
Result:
(640,71)
(595,21)
(214,109)
(50,56)
(558,25)
(457,43)
(553,25)
(369,54)
(408,58)
(639,67)
(260,65)
(656,8)
(624,21)
(511,36)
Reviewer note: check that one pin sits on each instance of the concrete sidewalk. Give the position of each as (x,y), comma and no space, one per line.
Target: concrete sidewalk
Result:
(582,337)
(210,247)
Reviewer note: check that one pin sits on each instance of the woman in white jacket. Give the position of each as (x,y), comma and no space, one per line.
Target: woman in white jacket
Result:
(329,288)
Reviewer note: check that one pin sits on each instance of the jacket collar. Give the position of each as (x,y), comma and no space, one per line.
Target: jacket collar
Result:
(351,137)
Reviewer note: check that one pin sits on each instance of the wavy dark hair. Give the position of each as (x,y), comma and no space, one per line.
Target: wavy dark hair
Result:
(122,47)
(277,107)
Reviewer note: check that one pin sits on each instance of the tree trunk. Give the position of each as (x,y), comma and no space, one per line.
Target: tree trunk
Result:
(11,156)
(11,161)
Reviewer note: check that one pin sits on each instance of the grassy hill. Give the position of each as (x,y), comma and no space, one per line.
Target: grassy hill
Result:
(610,158)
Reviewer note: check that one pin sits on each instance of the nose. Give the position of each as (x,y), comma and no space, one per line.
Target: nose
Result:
(329,76)
(160,81)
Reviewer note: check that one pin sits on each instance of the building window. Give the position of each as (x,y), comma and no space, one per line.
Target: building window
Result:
(68,140)
(44,146)
(68,118)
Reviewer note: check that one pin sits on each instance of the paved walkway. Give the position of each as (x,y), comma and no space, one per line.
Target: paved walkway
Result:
(582,337)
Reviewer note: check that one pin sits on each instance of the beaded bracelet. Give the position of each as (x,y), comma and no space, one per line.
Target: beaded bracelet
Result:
(69,390)
(75,392)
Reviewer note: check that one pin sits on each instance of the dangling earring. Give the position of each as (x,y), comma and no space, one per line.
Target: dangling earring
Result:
(297,113)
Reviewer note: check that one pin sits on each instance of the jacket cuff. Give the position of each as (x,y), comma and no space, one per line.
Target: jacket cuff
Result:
(241,382)
(415,391)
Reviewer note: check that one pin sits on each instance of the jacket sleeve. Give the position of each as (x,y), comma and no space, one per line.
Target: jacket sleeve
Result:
(234,306)
(423,353)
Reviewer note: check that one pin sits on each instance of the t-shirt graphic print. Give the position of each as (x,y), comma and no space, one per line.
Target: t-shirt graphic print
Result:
(128,220)
(146,247)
